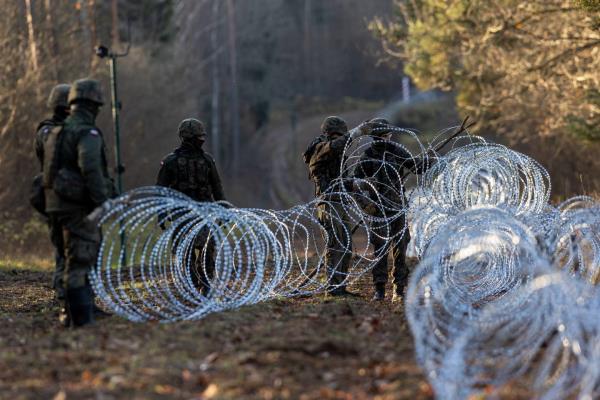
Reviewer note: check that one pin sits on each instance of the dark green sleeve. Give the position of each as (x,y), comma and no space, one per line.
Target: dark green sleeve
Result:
(339,144)
(39,148)
(166,174)
(364,169)
(415,165)
(215,182)
(89,159)
(310,150)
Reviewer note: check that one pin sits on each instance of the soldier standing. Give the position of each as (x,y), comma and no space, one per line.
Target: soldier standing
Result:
(193,172)
(58,103)
(76,180)
(325,156)
(383,165)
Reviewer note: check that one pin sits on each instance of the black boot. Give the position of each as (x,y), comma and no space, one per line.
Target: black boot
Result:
(80,306)
(398,293)
(379,292)
(100,313)
(342,291)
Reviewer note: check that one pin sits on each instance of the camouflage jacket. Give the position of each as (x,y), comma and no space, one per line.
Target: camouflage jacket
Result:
(79,148)
(325,157)
(384,165)
(193,172)
(41,134)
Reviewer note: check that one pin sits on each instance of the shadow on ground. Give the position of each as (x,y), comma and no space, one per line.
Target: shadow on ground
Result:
(314,348)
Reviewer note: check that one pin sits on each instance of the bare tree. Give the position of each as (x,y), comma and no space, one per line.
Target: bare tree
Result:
(307,23)
(93,34)
(32,42)
(216,86)
(235,108)
(114,32)
(52,42)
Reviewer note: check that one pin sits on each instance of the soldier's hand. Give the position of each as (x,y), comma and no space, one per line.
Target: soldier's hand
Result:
(366,128)
(95,216)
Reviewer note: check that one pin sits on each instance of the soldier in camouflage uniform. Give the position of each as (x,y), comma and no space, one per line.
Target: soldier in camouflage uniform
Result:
(58,103)
(383,164)
(76,180)
(324,157)
(192,171)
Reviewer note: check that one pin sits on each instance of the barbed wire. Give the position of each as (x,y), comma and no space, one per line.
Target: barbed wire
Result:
(505,287)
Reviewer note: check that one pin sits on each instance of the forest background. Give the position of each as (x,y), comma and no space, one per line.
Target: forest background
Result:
(262,74)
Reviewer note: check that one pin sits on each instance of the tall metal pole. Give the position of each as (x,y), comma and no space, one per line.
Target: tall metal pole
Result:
(104,52)
(116,106)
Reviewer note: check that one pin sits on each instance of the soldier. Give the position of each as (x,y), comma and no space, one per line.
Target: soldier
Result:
(192,171)
(58,103)
(76,180)
(324,157)
(383,165)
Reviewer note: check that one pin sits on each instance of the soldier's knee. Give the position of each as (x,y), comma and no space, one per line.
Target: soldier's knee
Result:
(77,278)
(82,252)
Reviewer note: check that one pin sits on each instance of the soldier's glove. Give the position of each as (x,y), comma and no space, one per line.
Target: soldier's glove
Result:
(365,128)
(98,212)
(95,216)
(360,130)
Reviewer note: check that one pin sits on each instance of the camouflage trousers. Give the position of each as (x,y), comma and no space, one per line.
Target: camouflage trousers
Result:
(200,258)
(398,247)
(338,255)
(203,263)
(78,240)
(56,238)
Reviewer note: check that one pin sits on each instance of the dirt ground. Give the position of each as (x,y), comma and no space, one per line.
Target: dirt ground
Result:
(309,348)
(315,348)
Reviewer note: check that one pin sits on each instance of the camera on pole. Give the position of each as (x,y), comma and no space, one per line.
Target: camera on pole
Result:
(104,52)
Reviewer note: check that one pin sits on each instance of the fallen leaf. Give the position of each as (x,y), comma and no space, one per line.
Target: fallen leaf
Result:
(426,389)
(61,395)
(164,389)
(87,376)
(186,375)
(211,391)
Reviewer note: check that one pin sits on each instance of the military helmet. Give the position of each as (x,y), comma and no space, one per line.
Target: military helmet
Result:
(334,125)
(380,126)
(59,96)
(190,128)
(86,89)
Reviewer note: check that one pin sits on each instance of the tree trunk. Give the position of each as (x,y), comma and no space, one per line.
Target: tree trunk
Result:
(235,108)
(307,46)
(115,23)
(31,33)
(85,32)
(93,35)
(52,42)
(216,86)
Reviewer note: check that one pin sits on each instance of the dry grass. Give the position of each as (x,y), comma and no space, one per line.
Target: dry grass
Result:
(312,348)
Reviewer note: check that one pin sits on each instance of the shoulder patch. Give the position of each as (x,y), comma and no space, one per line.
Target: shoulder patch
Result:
(169,158)
(94,132)
(209,157)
